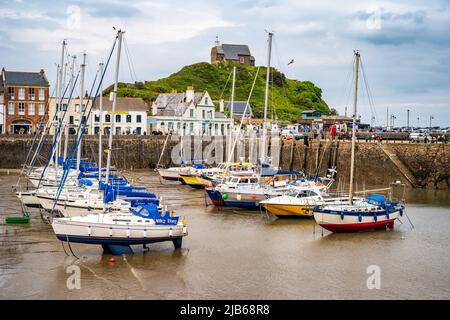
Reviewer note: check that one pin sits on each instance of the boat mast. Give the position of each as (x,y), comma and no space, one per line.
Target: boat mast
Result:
(100,132)
(80,111)
(72,84)
(266,98)
(58,108)
(355,101)
(231,114)
(113,109)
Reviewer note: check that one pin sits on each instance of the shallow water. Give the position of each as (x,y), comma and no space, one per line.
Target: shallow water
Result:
(235,254)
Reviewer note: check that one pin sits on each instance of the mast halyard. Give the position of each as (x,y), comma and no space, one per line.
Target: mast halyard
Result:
(59,107)
(230,157)
(266,98)
(113,109)
(72,84)
(80,110)
(100,133)
(355,102)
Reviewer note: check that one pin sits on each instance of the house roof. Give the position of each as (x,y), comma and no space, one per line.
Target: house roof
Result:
(310,111)
(239,108)
(25,78)
(233,51)
(220,115)
(175,104)
(123,104)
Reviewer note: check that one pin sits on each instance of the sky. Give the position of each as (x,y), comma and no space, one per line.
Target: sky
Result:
(404,45)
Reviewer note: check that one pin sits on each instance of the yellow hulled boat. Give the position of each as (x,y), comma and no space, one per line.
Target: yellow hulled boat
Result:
(296,202)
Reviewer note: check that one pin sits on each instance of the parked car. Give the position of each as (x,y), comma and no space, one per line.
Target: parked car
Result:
(290,134)
(420,137)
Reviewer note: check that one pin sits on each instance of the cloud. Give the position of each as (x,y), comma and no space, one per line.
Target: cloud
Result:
(405,45)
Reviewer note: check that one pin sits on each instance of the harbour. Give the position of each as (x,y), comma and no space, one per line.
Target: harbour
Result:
(235,254)
(227,179)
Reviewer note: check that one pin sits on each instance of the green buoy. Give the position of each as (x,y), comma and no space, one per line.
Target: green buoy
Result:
(23,219)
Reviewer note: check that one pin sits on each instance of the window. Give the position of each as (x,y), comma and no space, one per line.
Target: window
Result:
(209,114)
(71,120)
(31,95)
(128,118)
(96,130)
(77,108)
(138,118)
(118,118)
(192,113)
(107,118)
(206,100)
(21,93)
(138,130)
(11,108)
(191,127)
(241,59)
(41,108)
(11,93)
(118,130)
(96,118)
(31,109)
(41,94)
(170,125)
(21,108)
(203,114)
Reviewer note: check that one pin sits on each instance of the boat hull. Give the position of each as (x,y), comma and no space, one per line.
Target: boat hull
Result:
(193,181)
(167,174)
(29,199)
(345,222)
(111,234)
(287,210)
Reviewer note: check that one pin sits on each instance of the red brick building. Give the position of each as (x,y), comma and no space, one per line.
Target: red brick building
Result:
(25,96)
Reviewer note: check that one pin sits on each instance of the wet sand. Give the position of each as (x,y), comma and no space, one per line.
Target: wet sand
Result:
(234,254)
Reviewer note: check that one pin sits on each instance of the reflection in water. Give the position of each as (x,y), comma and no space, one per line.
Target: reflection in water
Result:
(235,254)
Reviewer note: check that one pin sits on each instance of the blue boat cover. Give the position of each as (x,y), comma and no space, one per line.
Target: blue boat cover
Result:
(150,211)
(376,199)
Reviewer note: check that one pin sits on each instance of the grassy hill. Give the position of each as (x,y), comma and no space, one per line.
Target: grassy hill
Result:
(288,98)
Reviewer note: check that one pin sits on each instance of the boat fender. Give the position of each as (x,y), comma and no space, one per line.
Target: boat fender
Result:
(89,230)
(128,233)
(387,214)
(184,230)
(145,233)
(225,196)
(170,232)
(360,217)
(375,218)
(342,215)
(253,196)
(238,197)
(110,231)
(401,212)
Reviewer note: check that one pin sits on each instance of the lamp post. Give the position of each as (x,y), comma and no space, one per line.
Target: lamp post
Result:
(431,118)
(407,120)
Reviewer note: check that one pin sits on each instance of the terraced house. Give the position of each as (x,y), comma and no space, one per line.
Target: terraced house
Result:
(25,100)
(187,113)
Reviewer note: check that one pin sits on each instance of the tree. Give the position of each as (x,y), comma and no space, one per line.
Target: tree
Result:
(333,112)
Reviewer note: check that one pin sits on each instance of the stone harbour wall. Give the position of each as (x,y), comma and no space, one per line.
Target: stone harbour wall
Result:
(428,163)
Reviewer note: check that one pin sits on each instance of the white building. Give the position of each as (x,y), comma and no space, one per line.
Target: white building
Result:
(130,116)
(187,113)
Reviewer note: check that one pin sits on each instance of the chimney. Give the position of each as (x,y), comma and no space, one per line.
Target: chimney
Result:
(221,105)
(42,72)
(190,94)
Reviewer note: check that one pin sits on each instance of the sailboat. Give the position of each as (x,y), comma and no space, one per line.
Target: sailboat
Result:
(116,231)
(371,213)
